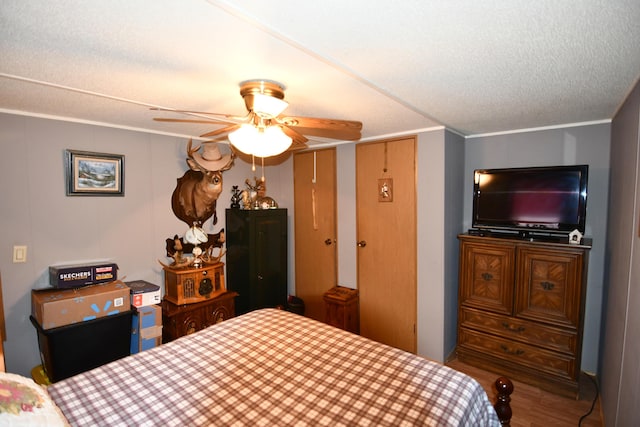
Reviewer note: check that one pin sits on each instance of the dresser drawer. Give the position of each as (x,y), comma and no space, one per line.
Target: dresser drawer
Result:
(521,330)
(544,361)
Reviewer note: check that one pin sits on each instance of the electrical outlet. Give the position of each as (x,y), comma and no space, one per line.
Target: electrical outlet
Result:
(19,254)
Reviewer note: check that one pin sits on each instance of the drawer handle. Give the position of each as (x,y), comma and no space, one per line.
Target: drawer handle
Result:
(547,286)
(507,350)
(487,276)
(513,328)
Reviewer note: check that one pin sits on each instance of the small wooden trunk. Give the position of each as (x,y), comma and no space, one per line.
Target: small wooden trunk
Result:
(341,308)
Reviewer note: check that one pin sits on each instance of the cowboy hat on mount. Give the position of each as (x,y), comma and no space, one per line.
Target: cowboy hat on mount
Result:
(211,159)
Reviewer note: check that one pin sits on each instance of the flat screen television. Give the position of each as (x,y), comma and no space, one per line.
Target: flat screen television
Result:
(533,200)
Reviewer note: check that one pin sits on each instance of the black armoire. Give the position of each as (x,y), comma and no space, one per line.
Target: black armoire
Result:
(256,242)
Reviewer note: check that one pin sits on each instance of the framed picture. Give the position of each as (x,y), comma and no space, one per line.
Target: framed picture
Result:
(385,190)
(94,174)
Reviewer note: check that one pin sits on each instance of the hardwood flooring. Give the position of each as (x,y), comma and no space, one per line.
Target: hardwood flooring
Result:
(533,407)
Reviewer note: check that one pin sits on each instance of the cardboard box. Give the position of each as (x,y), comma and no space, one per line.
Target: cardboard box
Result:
(53,308)
(78,275)
(146,328)
(143,293)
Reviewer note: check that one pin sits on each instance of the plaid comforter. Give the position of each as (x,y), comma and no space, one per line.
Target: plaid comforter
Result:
(273,368)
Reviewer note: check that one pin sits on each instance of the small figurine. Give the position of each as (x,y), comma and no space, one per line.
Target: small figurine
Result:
(236,197)
(252,192)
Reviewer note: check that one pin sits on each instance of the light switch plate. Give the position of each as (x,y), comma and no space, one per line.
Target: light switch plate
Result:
(19,254)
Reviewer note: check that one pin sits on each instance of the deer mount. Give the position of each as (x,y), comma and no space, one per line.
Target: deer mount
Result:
(194,201)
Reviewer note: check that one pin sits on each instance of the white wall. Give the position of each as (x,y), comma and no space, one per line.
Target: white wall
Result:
(453,220)
(346,208)
(620,346)
(431,242)
(130,230)
(564,146)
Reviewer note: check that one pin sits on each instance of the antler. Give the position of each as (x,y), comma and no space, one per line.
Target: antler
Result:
(190,150)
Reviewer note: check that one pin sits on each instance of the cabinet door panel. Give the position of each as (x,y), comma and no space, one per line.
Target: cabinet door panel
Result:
(190,322)
(219,313)
(257,257)
(486,276)
(549,286)
(268,263)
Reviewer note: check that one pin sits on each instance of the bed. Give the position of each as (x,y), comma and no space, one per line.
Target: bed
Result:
(273,368)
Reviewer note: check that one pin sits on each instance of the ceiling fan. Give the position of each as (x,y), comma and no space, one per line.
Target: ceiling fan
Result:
(265,131)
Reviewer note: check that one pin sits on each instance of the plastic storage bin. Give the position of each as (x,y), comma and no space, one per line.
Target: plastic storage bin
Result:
(72,349)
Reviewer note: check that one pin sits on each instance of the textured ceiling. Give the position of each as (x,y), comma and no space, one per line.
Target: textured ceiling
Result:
(474,67)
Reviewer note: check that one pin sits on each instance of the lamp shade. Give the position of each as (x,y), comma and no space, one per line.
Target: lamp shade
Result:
(260,141)
(268,106)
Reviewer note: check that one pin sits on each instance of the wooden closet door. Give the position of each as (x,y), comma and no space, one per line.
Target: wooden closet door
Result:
(387,241)
(315,228)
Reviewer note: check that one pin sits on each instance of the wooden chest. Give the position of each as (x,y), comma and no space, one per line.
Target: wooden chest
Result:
(341,308)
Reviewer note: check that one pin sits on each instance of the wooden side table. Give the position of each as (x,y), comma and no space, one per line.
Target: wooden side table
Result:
(180,320)
(341,308)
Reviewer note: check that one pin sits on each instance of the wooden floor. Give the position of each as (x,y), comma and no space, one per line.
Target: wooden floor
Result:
(533,407)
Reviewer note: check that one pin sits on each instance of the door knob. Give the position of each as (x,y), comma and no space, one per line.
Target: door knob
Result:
(362,244)
(328,242)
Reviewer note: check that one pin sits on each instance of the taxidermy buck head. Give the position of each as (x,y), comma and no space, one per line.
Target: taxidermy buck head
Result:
(194,198)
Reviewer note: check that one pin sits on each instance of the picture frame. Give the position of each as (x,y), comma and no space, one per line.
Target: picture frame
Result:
(385,190)
(94,174)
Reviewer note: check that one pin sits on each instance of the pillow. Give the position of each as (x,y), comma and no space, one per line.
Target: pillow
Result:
(25,403)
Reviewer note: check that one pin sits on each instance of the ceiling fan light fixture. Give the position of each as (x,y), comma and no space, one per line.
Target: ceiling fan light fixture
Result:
(268,106)
(260,141)
(243,138)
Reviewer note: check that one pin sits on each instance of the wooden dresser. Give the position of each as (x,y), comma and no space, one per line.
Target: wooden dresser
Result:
(180,320)
(521,309)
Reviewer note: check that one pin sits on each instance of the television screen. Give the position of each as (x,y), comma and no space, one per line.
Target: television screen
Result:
(543,199)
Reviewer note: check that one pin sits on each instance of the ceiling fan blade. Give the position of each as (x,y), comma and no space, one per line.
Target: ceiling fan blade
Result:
(298,141)
(295,136)
(296,145)
(328,128)
(215,122)
(220,131)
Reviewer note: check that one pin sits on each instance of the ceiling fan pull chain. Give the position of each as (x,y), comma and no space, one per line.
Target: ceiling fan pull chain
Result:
(384,169)
(253,163)
(262,169)
(313,208)
(313,180)
(313,194)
